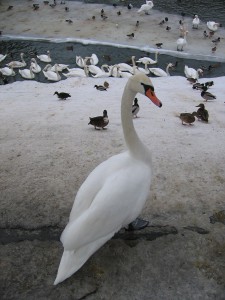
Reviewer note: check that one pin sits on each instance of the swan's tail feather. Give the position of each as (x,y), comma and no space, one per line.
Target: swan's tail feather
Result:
(72,261)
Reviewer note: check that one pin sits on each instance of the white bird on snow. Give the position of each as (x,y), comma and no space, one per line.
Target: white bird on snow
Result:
(192,73)
(146,7)
(114,193)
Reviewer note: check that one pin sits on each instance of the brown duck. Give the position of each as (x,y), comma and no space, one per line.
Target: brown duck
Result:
(202,114)
(100,121)
(188,118)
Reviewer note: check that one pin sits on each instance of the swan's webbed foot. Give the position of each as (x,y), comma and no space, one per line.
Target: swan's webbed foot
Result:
(137,224)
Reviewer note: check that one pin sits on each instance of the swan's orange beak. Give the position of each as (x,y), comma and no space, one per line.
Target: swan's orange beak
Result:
(152,96)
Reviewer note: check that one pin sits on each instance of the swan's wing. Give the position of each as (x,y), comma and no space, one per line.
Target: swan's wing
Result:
(118,202)
(94,183)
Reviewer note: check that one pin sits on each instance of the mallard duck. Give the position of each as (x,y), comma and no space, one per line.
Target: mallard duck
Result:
(100,87)
(202,114)
(187,118)
(100,121)
(198,86)
(135,108)
(62,95)
(209,83)
(98,211)
(207,95)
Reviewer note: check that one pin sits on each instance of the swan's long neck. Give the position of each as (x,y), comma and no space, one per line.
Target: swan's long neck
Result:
(167,70)
(137,149)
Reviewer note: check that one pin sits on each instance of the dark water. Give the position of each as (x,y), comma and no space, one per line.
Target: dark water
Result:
(106,54)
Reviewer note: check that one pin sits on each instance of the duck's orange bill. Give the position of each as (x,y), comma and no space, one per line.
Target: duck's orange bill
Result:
(152,96)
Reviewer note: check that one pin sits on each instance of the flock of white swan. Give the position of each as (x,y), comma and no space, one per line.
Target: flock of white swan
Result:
(85,67)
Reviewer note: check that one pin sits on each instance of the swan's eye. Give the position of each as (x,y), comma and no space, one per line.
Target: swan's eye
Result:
(148,87)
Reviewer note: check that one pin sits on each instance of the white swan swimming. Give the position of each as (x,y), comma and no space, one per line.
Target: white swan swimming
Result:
(80,61)
(77,72)
(192,73)
(2,57)
(7,71)
(35,67)
(45,57)
(181,42)
(114,193)
(148,60)
(213,26)
(146,7)
(27,73)
(51,75)
(17,64)
(107,71)
(94,59)
(60,67)
(160,72)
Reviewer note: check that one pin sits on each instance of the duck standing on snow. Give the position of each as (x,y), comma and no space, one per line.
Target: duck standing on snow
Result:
(202,113)
(100,121)
(62,95)
(207,95)
(100,87)
(135,108)
(188,118)
(114,193)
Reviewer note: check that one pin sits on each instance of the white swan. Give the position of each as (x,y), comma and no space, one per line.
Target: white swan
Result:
(161,72)
(35,67)
(148,60)
(192,73)
(213,26)
(2,57)
(125,74)
(114,193)
(80,61)
(60,67)
(45,57)
(51,75)
(94,59)
(77,72)
(27,73)
(181,42)
(146,7)
(195,22)
(7,71)
(17,64)
(111,71)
